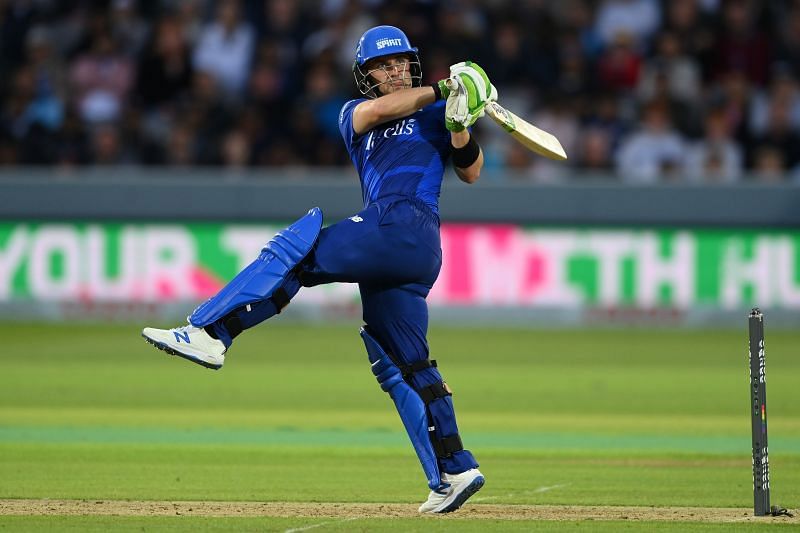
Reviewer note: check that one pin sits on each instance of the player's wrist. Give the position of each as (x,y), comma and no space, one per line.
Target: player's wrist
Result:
(465,156)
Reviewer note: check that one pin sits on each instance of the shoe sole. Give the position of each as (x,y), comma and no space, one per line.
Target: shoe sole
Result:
(464,495)
(172,351)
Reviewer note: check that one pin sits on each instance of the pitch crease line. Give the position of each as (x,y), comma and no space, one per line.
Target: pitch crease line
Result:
(321,524)
(537,490)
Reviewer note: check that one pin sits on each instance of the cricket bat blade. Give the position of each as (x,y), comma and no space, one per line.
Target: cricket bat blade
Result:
(531,137)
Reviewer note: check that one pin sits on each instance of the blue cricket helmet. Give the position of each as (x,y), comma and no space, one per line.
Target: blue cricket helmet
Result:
(383,41)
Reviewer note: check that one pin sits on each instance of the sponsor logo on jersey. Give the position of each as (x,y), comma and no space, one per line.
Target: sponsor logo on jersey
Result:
(404,127)
(401,127)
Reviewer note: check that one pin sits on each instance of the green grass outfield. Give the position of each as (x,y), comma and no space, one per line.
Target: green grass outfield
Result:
(618,420)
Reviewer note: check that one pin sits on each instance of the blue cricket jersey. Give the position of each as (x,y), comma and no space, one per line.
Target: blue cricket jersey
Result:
(405,157)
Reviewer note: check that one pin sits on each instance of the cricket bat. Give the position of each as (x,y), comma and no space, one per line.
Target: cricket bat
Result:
(525,133)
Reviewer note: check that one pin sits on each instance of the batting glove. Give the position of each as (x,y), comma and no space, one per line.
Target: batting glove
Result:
(475,79)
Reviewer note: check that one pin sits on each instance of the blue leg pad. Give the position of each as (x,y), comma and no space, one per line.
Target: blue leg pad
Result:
(408,404)
(443,419)
(259,280)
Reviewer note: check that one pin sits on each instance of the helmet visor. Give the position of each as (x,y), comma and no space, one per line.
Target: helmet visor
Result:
(383,75)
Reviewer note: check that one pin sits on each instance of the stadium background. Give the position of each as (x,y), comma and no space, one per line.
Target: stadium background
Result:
(258,83)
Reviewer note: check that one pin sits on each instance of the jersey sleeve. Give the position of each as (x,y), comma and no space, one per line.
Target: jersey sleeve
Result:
(346,123)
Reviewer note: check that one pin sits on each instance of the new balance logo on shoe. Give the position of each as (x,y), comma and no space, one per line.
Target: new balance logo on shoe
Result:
(189,342)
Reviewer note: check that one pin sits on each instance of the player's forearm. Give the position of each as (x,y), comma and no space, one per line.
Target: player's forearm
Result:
(470,173)
(392,106)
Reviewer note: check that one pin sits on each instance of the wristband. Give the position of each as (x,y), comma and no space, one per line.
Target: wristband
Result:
(437,91)
(465,156)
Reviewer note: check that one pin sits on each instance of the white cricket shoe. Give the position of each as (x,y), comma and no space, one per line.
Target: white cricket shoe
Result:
(190,343)
(462,486)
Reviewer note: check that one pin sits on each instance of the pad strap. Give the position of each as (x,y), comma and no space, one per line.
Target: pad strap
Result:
(233,324)
(434,392)
(280,298)
(447,446)
(413,368)
(431,392)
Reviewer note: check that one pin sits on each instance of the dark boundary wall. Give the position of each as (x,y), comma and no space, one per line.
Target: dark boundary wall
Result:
(165,194)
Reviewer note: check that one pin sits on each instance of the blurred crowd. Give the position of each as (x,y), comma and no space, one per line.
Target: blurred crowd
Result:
(646,91)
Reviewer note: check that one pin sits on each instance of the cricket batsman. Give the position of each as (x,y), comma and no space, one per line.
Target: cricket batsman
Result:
(400,136)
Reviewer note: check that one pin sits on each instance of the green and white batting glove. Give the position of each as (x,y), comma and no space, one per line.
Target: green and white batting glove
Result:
(461,109)
(444,88)
(492,96)
(467,90)
(475,78)
(456,109)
